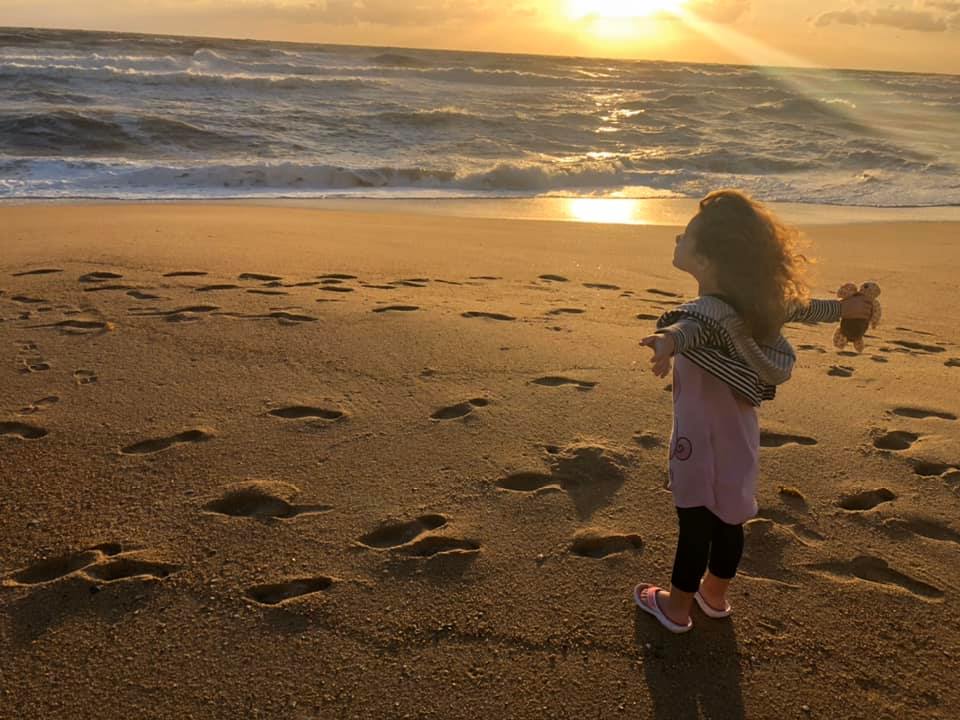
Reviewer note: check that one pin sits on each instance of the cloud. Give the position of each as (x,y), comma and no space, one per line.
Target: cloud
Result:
(937,19)
(383,12)
(719,11)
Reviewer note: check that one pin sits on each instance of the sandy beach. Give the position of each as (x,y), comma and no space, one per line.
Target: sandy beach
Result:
(295,463)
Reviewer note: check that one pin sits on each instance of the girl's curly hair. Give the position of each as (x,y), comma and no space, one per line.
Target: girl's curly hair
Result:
(756,259)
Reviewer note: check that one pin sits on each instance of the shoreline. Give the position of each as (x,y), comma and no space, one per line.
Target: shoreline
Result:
(669,212)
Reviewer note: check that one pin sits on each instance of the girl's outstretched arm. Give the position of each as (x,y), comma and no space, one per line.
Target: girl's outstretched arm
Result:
(816,311)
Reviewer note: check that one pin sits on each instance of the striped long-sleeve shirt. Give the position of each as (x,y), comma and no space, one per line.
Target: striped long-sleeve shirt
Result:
(710,333)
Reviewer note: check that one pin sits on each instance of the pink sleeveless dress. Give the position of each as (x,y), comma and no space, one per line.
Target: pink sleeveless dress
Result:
(714,447)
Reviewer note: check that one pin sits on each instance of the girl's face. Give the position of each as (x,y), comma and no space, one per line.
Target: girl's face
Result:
(685,255)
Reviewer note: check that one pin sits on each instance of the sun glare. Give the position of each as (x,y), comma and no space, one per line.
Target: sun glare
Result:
(620,9)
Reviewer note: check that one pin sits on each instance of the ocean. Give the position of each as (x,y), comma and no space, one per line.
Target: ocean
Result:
(118,115)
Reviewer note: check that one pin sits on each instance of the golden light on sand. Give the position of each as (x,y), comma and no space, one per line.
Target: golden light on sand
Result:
(603,210)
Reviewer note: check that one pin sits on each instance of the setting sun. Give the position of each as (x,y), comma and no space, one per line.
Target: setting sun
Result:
(620,9)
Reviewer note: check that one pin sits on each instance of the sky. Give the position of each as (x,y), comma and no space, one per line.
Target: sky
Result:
(910,35)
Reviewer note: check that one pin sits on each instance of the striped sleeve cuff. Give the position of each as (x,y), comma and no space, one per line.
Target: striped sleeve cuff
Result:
(684,333)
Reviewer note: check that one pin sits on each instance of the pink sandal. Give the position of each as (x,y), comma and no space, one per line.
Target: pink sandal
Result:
(650,605)
(709,610)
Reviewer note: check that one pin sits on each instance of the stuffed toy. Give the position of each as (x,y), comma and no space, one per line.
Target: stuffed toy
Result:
(854,330)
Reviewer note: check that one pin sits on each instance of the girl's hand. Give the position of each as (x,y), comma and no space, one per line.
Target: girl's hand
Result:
(856,307)
(663,349)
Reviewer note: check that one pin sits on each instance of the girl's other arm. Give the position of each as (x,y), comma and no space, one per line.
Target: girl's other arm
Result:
(684,333)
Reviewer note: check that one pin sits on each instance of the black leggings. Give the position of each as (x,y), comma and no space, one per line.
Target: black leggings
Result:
(705,539)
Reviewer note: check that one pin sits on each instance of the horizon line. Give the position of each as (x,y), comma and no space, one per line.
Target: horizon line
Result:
(478,52)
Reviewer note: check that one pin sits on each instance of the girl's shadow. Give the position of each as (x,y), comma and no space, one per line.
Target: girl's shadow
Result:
(691,676)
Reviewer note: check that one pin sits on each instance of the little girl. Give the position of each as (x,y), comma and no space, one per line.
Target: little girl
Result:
(730,356)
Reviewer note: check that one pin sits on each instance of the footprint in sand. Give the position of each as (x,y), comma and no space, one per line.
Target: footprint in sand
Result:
(305,283)
(258,291)
(336,288)
(396,308)
(283,592)
(924,527)
(566,311)
(647,316)
(554,278)
(459,410)
(281,316)
(655,291)
(305,412)
(122,568)
(101,288)
(793,498)
(591,476)
(393,534)
(27,300)
(812,348)
(928,468)
(844,371)
(485,277)
(79,327)
(39,405)
(39,271)
(22,430)
(953,362)
(876,570)
(261,499)
(44,571)
(866,500)
(104,563)
(916,332)
(895,440)
(287,318)
(595,543)
(153,445)
(189,313)
(30,360)
(84,377)
(99,277)
(379,287)
(185,273)
(430,546)
(529,482)
(647,440)
(922,413)
(259,276)
(557,381)
(138,295)
(337,276)
(786,522)
(766,543)
(488,315)
(215,287)
(917,346)
(773,440)
(601,286)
